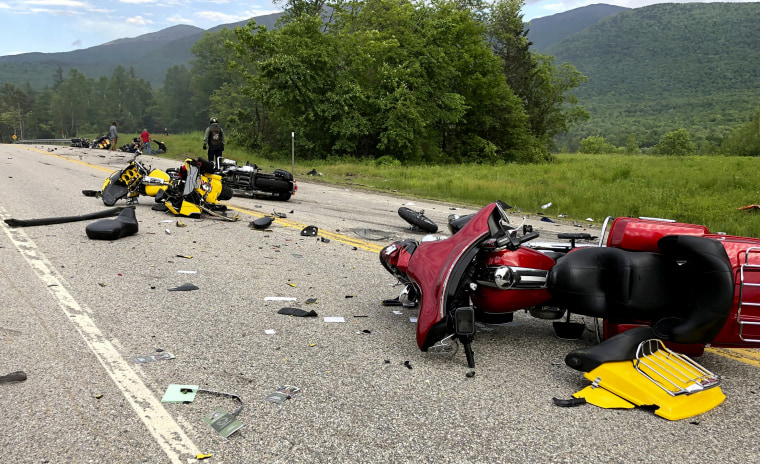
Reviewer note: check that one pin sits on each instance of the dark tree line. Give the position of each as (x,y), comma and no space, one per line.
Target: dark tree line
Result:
(441,81)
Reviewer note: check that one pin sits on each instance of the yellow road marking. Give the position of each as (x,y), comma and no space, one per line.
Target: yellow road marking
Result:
(746,355)
(373,247)
(83,163)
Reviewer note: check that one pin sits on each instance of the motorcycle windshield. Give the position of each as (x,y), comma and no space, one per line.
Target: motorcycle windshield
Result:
(115,190)
(438,268)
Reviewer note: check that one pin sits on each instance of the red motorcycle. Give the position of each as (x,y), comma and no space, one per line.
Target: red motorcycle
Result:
(691,287)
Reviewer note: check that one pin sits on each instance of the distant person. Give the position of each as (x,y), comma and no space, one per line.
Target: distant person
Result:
(145,136)
(166,132)
(113,135)
(214,140)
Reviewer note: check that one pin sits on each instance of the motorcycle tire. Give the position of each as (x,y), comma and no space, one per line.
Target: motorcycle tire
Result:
(282,196)
(418,220)
(226,193)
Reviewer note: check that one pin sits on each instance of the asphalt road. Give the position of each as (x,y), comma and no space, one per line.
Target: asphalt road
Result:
(76,312)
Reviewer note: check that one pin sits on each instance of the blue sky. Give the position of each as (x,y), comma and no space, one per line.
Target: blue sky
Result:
(64,25)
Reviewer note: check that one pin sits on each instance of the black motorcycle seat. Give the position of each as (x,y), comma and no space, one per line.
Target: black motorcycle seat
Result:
(621,347)
(112,229)
(690,280)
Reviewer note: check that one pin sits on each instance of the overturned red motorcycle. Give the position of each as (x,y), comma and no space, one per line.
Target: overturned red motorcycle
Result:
(691,287)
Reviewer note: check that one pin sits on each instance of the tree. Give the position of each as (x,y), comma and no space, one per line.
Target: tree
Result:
(595,144)
(631,146)
(676,143)
(543,87)
(414,81)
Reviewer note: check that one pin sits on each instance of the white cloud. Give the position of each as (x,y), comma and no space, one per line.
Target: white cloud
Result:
(218,17)
(138,21)
(66,3)
(137,2)
(4,5)
(176,19)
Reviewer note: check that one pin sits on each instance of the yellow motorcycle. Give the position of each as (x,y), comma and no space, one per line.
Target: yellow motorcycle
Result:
(134,180)
(195,189)
(188,191)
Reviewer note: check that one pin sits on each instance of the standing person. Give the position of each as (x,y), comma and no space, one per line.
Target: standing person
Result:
(145,136)
(113,135)
(166,132)
(214,139)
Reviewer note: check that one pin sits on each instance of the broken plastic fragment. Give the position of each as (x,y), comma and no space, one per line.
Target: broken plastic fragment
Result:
(311,301)
(201,457)
(223,422)
(261,223)
(310,231)
(17,376)
(334,319)
(298,312)
(184,288)
(546,205)
(269,331)
(280,298)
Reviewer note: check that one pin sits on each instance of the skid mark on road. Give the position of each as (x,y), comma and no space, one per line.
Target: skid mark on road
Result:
(165,431)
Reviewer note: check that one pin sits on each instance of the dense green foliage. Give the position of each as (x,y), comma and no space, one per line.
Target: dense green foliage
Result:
(659,68)
(422,82)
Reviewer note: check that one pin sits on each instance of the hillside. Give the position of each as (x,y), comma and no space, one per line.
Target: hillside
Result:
(150,55)
(549,30)
(662,67)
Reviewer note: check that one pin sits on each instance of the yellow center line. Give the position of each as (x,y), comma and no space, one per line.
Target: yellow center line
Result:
(373,247)
(83,163)
(749,356)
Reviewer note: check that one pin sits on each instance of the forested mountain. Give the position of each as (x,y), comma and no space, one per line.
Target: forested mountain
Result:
(549,30)
(663,67)
(150,55)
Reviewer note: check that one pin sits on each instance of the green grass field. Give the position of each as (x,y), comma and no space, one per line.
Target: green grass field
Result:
(702,190)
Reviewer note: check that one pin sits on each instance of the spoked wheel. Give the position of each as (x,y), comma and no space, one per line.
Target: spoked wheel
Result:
(418,219)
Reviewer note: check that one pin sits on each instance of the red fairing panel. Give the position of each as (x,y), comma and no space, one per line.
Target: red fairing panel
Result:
(431,264)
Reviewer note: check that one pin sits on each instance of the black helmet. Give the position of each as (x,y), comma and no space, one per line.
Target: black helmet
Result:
(213,121)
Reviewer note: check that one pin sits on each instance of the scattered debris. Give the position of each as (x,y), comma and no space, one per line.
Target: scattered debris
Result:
(269,331)
(749,207)
(314,172)
(184,256)
(18,376)
(569,403)
(407,364)
(470,374)
(311,301)
(590,219)
(298,312)
(282,394)
(280,298)
(310,231)
(393,302)
(201,457)
(168,232)
(546,219)
(548,205)
(334,319)
(182,224)
(62,220)
(279,215)
(186,272)
(324,240)
(184,288)
(162,356)
(223,422)
(261,223)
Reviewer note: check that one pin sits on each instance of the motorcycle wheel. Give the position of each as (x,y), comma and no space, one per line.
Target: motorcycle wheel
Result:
(282,196)
(418,220)
(226,193)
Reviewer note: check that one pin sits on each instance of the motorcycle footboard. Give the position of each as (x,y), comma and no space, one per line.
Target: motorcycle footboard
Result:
(672,384)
